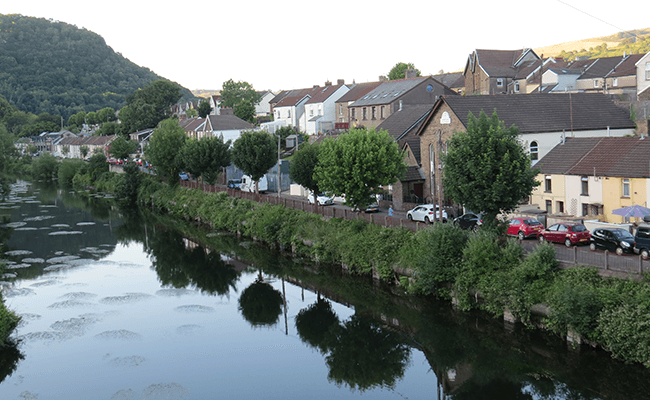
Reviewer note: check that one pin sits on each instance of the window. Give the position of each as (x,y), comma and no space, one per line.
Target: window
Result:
(547,184)
(549,206)
(647,71)
(340,109)
(364,114)
(595,83)
(516,87)
(560,206)
(615,82)
(353,114)
(499,82)
(400,105)
(534,150)
(374,112)
(382,114)
(626,188)
(585,209)
(311,112)
(585,186)
(288,113)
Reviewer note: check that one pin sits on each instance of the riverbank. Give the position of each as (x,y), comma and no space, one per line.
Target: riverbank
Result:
(447,263)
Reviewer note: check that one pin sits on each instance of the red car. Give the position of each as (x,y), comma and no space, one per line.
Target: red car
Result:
(524,227)
(569,233)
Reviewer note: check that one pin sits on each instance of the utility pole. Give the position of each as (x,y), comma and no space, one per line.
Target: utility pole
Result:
(279,161)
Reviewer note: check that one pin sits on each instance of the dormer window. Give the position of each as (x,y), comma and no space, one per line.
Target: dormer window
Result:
(499,82)
(516,87)
(595,83)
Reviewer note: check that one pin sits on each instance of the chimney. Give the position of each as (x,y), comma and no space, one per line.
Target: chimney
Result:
(410,73)
(328,83)
(340,82)
(382,78)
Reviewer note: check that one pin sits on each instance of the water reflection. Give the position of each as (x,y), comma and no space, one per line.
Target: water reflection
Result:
(260,304)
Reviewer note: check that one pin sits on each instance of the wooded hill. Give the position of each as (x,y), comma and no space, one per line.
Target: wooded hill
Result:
(628,42)
(55,67)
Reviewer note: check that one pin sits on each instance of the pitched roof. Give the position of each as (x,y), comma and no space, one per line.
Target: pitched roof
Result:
(358,90)
(226,123)
(627,157)
(414,145)
(601,67)
(409,118)
(452,80)
(535,113)
(390,91)
(626,67)
(323,94)
(501,63)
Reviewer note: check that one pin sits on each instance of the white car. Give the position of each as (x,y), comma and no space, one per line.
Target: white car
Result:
(425,213)
(323,199)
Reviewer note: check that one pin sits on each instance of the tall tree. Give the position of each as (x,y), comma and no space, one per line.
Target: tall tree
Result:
(486,167)
(357,164)
(303,164)
(204,108)
(232,93)
(164,149)
(206,157)
(244,110)
(255,152)
(121,148)
(146,107)
(399,71)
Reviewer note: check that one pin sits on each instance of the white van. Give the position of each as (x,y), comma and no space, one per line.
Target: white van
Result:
(248,185)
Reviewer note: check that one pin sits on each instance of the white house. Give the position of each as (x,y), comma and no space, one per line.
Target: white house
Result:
(320,109)
(264,106)
(290,109)
(643,78)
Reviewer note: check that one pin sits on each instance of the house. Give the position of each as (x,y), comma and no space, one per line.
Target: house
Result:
(543,121)
(622,79)
(593,78)
(391,96)
(194,127)
(589,177)
(643,78)
(71,146)
(291,107)
(529,76)
(453,80)
(357,91)
(226,126)
(263,107)
(491,71)
(320,109)
(215,102)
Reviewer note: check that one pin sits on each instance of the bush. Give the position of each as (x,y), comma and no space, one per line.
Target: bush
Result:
(45,167)
(8,322)
(625,332)
(68,169)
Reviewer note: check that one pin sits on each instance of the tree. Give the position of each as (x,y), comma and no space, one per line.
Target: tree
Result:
(244,110)
(146,107)
(303,164)
(83,150)
(486,167)
(284,132)
(206,157)
(191,113)
(164,149)
(399,71)
(122,148)
(106,114)
(255,153)
(45,167)
(232,93)
(204,108)
(357,164)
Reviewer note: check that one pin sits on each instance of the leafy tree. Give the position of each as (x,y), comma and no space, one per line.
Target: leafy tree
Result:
(146,107)
(244,110)
(45,167)
(206,157)
(106,114)
(83,150)
(486,167)
(122,148)
(164,149)
(204,108)
(107,129)
(260,303)
(97,165)
(314,323)
(399,71)
(67,170)
(357,164)
(303,164)
(127,188)
(191,113)
(254,153)
(232,93)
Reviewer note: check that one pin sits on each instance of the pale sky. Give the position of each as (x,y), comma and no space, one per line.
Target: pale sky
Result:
(293,44)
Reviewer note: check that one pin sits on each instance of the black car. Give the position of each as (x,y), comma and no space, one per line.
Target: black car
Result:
(234,184)
(469,221)
(618,240)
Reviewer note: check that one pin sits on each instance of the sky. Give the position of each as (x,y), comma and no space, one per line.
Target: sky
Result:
(293,44)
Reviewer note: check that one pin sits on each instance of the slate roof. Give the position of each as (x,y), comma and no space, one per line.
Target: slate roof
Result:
(626,67)
(226,123)
(192,124)
(87,140)
(389,91)
(413,174)
(534,113)
(452,80)
(627,157)
(319,96)
(406,120)
(358,90)
(499,62)
(414,145)
(601,67)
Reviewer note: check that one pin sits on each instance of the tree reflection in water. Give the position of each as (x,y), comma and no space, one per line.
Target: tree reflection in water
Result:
(314,323)
(260,304)
(10,355)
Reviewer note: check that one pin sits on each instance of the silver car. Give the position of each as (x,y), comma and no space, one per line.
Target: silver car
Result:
(426,213)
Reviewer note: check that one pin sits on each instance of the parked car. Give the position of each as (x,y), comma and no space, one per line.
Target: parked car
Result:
(642,241)
(426,213)
(569,233)
(248,185)
(234,184)
(618,240)
(184,176)
(373,208)
(524,227)
(323,199)
(469,221)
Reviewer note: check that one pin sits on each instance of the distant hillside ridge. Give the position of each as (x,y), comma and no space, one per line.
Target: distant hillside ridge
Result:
(54,67)
(629,42)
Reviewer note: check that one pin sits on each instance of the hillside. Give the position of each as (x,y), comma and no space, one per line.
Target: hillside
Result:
(630,42)
(54,67)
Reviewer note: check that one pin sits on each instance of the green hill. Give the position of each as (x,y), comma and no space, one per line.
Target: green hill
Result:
(54,67)
(628,42)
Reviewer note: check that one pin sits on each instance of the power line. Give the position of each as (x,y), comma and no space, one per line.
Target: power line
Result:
(594,17)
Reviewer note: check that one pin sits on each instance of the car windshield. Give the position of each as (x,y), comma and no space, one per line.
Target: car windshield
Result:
(622,234)
(532,221)
(578,228)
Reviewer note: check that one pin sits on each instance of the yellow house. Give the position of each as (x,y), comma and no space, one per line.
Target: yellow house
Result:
(592,177)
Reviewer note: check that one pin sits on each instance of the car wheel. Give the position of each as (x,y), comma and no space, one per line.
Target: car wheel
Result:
(592,246)
(410,217)
(426,220)
(644,254)
(475,228)
(456,224)
(541,238)
(521,235)
(619,251)
(567,242)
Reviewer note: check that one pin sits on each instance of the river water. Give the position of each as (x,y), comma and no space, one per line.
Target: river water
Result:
(138,307)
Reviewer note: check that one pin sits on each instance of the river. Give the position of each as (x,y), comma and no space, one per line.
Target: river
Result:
(140,307)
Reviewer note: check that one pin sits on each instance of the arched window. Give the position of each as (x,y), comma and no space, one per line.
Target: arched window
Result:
(534,150)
